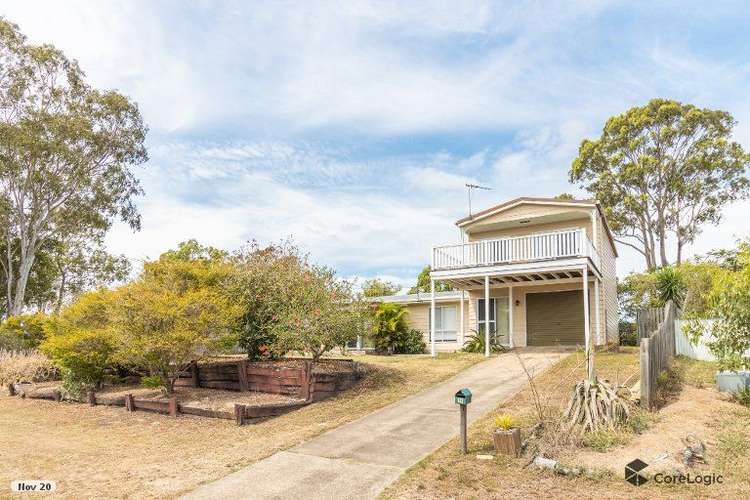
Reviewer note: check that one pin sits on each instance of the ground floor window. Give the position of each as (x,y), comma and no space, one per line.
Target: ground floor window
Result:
(498,320)
(446,326)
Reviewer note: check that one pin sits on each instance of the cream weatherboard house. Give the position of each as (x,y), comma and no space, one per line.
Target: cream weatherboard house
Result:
(546,267)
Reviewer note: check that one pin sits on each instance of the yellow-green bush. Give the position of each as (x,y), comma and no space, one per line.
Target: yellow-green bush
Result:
(80,342)
(23,332)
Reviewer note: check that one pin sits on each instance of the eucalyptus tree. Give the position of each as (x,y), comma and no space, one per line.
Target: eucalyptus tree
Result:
(661,172)
(66,150)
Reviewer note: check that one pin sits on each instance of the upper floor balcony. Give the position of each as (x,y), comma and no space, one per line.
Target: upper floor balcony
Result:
(571,243)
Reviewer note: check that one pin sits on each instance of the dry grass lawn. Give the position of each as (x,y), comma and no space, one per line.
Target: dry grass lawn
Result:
(108,452)
(692,406)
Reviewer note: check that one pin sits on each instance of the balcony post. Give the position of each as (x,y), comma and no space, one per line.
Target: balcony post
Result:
(510,316)
(596,310)
(487,316)
(462,317)
(587,325)
(432,317)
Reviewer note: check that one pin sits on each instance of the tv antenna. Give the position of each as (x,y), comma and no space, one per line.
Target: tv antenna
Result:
(470,188)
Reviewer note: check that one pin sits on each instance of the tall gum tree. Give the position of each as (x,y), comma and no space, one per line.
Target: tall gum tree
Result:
(661,171)
(65,155)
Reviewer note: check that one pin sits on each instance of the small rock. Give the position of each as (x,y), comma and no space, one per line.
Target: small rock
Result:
(545,463)
(485,457)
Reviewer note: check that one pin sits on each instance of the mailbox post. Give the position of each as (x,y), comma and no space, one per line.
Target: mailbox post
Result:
(463,398)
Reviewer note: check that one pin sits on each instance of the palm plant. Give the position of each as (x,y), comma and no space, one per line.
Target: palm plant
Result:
(670,286)
(475,343)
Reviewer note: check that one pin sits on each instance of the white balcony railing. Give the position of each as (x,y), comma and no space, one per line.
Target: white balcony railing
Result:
(533,247)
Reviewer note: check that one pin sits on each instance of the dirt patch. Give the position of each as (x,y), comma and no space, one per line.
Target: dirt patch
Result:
(660,446)
(106,451)
(208,399)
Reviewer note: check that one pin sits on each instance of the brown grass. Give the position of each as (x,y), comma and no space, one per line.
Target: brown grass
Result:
(448,474)
(105,451)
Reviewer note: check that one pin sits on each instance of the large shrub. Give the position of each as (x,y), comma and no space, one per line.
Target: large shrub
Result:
(23,332)
(389,325)
(24,366)
(80,341)
(729,305)
(320,315)
(174,313)
(264,281)
(411,342)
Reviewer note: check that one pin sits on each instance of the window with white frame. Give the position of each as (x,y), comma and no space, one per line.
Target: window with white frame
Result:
(446,329)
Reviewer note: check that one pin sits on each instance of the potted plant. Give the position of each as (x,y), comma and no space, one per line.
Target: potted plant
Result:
(507,436)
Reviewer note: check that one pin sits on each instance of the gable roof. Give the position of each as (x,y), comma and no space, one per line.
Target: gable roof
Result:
(506,205)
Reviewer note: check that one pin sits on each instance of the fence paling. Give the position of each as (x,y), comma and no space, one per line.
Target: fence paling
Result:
(657,350)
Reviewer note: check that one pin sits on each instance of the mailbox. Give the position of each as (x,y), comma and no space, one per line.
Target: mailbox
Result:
(462,397)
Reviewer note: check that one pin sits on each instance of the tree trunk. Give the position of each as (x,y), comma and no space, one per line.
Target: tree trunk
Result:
(60,292)
(24,269)
(679,252)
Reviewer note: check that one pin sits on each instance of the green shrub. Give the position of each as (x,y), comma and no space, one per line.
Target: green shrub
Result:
(23,332)
(628,333)
(505,422)
(411,342)
(475,343)
(742,396)
(389,326)
(152,381)
(82,356)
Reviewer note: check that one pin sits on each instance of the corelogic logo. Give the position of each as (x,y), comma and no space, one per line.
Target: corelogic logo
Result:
(632,471)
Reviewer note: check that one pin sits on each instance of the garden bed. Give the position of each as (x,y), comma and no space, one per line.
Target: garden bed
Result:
(227,389)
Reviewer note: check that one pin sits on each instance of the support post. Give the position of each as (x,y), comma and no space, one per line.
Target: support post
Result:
(597,316)
(129,402)
(173,408)
(242,375)
(464,443)
(194,373)
(432,317)
(487,316)
(462,317)
(239,414)
(511,305)
(587,326)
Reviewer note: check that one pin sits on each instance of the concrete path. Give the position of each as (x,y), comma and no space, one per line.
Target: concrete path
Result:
(361,458)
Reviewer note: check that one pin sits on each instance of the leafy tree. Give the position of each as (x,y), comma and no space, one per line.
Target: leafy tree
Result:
(263,283)
(174,313)
(730,307)
(378,288)
(81,264)
(663,170)
(22,332)
(320,315)
(65,155)
(565,197)
(423,283)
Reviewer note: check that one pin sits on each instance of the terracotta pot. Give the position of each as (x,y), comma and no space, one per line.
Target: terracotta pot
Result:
(508,442)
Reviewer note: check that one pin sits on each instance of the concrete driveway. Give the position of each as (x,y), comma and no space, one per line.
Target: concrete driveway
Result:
(361,458)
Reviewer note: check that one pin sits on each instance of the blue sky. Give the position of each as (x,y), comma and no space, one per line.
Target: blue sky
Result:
(353,126)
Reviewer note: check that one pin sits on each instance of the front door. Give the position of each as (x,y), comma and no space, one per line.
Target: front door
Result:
(498,321)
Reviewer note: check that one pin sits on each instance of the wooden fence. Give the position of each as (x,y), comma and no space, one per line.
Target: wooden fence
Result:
(657,350)
(648,320)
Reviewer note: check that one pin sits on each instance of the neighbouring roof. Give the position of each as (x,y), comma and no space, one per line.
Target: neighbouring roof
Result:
(506,205)
(416,298)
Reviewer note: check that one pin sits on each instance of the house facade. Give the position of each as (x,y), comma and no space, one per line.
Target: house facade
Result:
(545,267)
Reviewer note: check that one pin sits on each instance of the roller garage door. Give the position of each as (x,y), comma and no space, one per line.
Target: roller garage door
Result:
(554,318)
